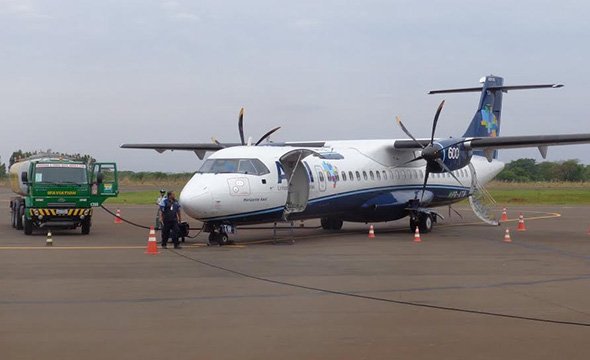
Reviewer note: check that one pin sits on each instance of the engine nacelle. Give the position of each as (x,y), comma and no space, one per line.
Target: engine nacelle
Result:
(454,153)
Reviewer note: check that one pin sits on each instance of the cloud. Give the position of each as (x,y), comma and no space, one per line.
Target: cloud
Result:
(306,24)
(176,11)
(21,8)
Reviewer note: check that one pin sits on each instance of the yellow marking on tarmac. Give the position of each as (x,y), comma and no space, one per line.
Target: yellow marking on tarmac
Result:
(549,215)
(40,247)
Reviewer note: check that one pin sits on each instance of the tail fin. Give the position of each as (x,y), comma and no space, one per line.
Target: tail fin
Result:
(486,121)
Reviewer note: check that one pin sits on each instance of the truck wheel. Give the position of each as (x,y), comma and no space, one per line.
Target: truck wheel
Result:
(12,216)
(28,226)
(20,215)
(86,227)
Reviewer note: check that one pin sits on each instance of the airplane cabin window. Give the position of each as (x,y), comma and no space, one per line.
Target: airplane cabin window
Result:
(384,175)
(358,176)
(350,176)
(343,176)
(378,174)
(321,176)
(421,174)
(397,174)
(372,175)
(365,176)
(415,174)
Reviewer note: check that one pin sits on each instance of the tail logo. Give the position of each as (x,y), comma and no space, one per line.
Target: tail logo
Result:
(489,121)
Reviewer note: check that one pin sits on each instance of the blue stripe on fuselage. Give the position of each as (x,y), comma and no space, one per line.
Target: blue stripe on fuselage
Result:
(345,202)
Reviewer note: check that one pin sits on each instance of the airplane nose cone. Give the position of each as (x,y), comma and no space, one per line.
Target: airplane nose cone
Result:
(196,201)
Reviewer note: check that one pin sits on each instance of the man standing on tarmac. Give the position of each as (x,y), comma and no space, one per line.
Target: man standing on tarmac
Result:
(159,213)
(170,210)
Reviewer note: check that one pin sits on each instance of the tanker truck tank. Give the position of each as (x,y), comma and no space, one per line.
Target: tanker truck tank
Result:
(16,182)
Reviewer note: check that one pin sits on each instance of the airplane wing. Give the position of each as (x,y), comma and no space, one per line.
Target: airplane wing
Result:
(201,149)
(489,144)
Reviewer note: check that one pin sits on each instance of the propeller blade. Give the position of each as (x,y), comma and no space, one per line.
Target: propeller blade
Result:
(426,175)
(241,126)
(214,140)
(446,168)
(265,136)
(411,161)
(399,122)
(436,120)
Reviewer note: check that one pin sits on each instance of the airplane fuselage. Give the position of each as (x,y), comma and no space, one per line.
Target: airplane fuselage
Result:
(359,181)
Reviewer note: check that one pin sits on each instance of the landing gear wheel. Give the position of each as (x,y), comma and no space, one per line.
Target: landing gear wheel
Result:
(425,223)
(86,227)
(20,215)
(222,239)
(28,226)
(337,224)
(331,223)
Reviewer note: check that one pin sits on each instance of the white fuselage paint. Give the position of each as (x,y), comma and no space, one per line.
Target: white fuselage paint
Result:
(242,198)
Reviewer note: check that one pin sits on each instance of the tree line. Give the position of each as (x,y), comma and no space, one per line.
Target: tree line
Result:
(528,170)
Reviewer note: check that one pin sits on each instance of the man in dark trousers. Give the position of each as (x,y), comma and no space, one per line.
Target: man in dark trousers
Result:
(170,210)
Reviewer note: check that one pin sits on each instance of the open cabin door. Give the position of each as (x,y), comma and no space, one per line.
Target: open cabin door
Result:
(298,193)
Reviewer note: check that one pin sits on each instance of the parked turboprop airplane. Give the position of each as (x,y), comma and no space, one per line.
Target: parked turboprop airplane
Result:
(354,180)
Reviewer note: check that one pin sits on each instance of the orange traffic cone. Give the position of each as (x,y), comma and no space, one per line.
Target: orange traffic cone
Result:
(49,241)
(152,245)
(521,226)
(507,236)
(118,217)
(371,232)
(417,235)
(504,215)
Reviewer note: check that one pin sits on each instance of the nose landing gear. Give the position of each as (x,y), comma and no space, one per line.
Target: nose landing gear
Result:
(218,234)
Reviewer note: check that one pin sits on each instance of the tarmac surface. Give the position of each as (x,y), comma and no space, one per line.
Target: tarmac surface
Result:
(100,297)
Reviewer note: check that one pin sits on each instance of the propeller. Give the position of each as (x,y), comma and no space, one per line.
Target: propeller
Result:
(431,153)
(241,132)
(241,125)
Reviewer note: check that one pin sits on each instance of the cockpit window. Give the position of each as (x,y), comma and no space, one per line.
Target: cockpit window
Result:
(234,166)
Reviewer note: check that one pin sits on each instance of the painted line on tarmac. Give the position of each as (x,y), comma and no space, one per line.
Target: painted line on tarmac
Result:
(549,215)
(88,247)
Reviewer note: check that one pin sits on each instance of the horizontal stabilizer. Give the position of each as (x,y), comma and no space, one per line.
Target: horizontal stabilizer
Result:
(502,88)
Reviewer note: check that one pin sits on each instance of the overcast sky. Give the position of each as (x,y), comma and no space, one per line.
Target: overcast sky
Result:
(85,75)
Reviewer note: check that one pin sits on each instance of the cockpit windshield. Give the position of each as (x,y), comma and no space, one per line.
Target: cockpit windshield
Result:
(233,166)
(57,173)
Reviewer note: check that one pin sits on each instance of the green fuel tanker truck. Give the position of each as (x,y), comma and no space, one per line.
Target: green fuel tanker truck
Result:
(58,193)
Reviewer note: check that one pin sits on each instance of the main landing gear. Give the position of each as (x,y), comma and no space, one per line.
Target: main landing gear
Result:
(219,234)
(329,223)
(423,221)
